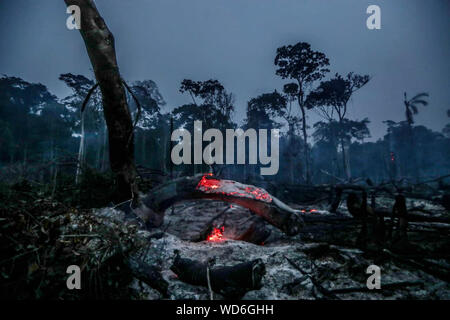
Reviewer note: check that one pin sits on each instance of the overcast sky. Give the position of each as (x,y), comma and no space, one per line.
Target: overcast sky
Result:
(235,41)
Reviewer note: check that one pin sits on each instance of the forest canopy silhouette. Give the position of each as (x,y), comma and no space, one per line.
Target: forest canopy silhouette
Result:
(47,139)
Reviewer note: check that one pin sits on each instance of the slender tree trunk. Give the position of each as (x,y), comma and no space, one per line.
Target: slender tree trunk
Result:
(144,148)
(25,155)
(291,178)
(104,148)
(415,172)
(99,150)
(99,43)
(165,143)
(305,139)
(52,156)
(345,160)
(80,151)
(291,156)
(55,179)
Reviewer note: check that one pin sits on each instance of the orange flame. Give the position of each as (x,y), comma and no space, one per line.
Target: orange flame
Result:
(216,235)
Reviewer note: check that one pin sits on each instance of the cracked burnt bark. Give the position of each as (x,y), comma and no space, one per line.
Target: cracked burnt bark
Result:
(100,47)
(202,186)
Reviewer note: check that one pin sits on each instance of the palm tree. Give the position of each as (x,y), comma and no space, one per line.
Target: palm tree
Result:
(411,109)
(412,104)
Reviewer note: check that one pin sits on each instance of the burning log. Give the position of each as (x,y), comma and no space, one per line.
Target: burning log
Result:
(230,281)
(257,200)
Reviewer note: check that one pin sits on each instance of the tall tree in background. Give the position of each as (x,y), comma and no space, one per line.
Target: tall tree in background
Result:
(211,104)
(304,65)
(290,93)
(213,99)
(336,93)
(345,130)
(99,43)
(34,127)
(411,109)
(146,135)
(80,86)
(261,114)
(262,110)
(411,105)
(446,129)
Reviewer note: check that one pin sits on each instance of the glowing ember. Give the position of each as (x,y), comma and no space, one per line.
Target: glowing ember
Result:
(312,210)
(208,184)
(392,156)
(217,235)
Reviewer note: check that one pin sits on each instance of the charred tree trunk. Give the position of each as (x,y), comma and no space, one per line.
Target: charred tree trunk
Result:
(230,281)
(99,43)
(255,199)
(305,140)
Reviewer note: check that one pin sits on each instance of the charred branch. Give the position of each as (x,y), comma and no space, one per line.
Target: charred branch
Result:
(230,281)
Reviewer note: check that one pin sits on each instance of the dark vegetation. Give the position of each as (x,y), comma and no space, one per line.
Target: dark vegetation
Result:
(37,247)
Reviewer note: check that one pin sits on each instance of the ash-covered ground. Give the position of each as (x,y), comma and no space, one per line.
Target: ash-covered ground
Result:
(325,261)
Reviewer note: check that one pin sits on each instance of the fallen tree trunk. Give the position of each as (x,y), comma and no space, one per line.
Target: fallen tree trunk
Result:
(257,200)
(230,281)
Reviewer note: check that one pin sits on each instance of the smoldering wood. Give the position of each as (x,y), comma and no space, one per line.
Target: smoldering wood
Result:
(274,211)
(257,233)
(230,281)
(209,227)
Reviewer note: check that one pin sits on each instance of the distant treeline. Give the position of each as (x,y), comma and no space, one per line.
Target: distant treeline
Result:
(41,134)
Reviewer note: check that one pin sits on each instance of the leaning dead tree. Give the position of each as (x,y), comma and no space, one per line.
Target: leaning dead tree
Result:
(257,200)
(99,43)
